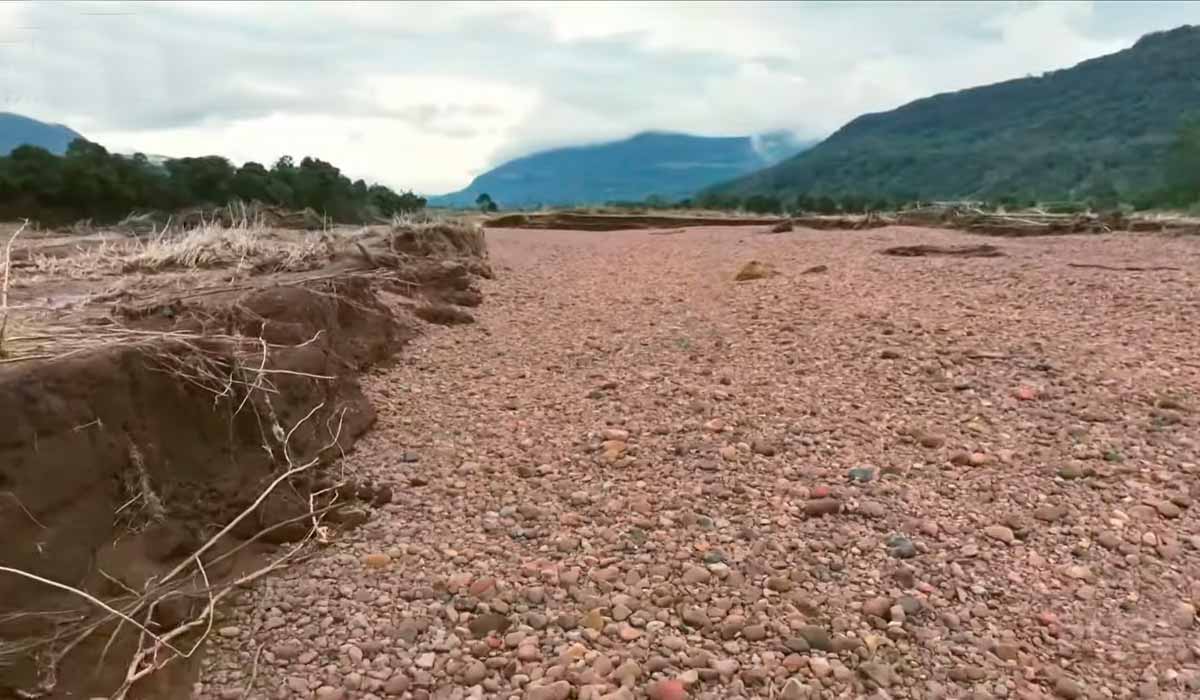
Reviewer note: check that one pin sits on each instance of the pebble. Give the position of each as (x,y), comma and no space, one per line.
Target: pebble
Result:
(816,637)
(1184,615)
(822,506)
(558,690)
(1066,688)
(878,607)
(1000,533)
(666,690)
(901,547)
(861,475)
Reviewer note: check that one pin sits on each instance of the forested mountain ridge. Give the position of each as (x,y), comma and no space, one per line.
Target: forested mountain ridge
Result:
(1104,126)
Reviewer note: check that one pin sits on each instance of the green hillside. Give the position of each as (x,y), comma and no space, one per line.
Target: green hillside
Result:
(1106,124)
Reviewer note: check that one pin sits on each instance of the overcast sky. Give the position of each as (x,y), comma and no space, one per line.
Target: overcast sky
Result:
(425,96)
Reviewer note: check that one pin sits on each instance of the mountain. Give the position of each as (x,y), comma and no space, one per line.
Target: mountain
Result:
(16,130)
(670,165)
(1105,124)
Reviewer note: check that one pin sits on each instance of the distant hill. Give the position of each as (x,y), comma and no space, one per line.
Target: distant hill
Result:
(1104,124)
(16,130)
(670,165)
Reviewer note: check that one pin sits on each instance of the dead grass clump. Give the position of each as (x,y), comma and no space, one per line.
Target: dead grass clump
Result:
(443,315)
(755,270)
(429,236)
(215,245)
(782,227)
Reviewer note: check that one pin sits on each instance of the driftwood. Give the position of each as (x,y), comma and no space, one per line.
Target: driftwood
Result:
(958,251)
(1126,268)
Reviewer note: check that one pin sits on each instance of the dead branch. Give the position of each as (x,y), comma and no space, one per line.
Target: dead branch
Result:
(4,286)
(1126,268)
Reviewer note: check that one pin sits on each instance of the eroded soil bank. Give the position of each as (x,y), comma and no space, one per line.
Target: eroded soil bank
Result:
(118,463)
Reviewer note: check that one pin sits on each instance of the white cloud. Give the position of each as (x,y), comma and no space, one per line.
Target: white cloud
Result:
(425,95)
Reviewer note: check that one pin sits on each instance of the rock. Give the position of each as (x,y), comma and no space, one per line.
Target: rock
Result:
(628,673)
(861,475)
(1184,615)
(474,672)
(696,574)
(901,547)
(1025,393)
(795,690)
(871,509)
(764,448)
(725,667)
(931,441)
(1168,510)
(754,270)
(755,633)
(779,584)
(695,617)
(822,506)
(666,690)
(880,673)
(1049,513)
(229,632)
(1066,688)
(815,269)
(1000,533)
(327,692)
(890,354)
(558,690)
(426,660)
(816,637)
(398,684)
(877,607)
(377,560)
(1077,572)
(1072,470)
(819,666)
(488,623)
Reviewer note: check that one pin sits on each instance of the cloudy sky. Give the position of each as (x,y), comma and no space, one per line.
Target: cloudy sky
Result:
(425,96)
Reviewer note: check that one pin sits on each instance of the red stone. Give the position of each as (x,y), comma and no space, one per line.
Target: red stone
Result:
(666,690)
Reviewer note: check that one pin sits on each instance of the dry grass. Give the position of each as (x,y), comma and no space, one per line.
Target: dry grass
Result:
(245,248)
(214,245)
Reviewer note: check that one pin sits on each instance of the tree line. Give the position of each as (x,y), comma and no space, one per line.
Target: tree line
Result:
(88,182)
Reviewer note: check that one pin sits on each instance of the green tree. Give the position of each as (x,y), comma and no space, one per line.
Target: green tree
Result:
(763,204)
(1183,164)
(485,203)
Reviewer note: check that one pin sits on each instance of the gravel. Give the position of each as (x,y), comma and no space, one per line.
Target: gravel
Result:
(633,482)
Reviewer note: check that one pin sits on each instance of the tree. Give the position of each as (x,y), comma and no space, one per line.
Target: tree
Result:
(763,204)
(485,203)
(1183,165)
(89,182)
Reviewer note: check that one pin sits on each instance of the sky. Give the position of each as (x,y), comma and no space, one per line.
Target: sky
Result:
(425,96)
